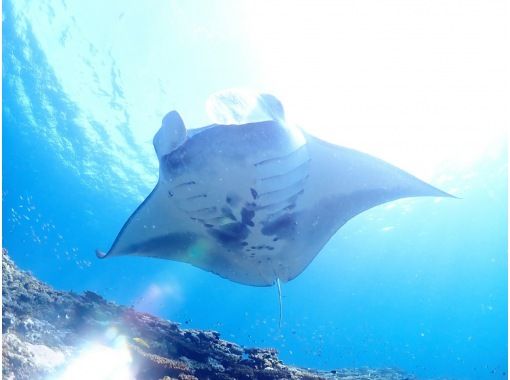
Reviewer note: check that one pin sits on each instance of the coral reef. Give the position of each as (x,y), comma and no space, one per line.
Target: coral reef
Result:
(63,335)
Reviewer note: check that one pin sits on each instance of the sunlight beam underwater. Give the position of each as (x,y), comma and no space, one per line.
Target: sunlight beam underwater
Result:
(252,198)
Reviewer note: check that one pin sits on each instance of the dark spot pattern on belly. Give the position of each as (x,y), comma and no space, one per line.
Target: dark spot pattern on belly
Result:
(247,216)
(282,227)
(231,234)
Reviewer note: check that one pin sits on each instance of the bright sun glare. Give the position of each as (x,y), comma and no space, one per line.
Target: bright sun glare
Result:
(396,81)
(422,85)
(101,362)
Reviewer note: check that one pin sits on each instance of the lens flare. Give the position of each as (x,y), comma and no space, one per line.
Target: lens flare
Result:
(101,362)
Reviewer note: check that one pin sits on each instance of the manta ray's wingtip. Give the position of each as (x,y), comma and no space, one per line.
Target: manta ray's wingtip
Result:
(433,191)
(445,194)
(100,254)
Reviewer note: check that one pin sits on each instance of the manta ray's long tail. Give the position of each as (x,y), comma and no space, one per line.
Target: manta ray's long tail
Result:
(280,301)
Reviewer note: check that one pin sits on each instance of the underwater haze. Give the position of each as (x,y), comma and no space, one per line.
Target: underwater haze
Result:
(418,284)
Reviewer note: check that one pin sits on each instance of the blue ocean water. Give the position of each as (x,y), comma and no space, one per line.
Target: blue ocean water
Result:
(418,284)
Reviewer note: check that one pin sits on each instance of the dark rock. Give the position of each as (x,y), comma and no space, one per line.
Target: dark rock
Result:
(45,332)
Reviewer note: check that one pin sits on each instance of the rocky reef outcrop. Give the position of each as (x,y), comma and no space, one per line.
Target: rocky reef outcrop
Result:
(62,335)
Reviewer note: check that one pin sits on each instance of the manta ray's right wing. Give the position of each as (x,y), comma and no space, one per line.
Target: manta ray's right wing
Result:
(343,183)
(356,181)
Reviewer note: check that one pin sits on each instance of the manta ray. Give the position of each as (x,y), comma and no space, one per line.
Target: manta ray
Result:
(254,198)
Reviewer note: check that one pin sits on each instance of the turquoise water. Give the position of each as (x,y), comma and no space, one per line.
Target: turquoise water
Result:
(418,284)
